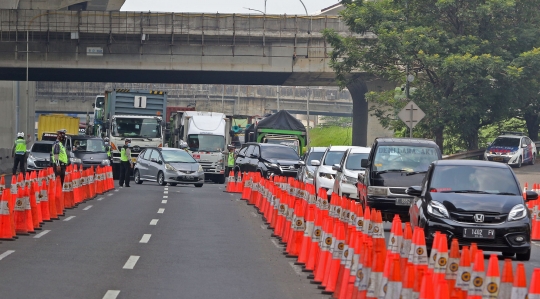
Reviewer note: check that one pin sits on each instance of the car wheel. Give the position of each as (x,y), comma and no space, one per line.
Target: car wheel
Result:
(198,185)
(173,184)
(519,162)
(508,254)
(161,179)
(524,256)
(533,160)
(137,177)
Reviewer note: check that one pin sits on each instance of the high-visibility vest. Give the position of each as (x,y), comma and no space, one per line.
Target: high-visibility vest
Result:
(62,156)
(230,160)
(20,146)
(108,149)
(123,156)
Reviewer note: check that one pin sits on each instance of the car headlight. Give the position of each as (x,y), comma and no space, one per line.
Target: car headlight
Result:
(517,212)
(76,160)
(105,162)
(437,209)
(200,169)
(309,174)
(273,165)
(325,175)
(169,167)
(349,179)
(379,191)
(512,153)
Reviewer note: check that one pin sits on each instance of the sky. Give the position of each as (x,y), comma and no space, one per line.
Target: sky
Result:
(231,6)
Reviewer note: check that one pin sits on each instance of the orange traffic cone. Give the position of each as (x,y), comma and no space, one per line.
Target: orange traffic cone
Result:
(419,273)
(44,200)
(426,290)
(472,250)
(534,289)
(2,184)
(392,289)
(228,182)
(492,282)
(442,291)
(306,238)
(335,258)
(439,269)
(464,272)
(478,276)
(20,214)
(296,234)
(326,243)
(376,274)
(408,282)
(6,231)
(535,236)
(246,192)
(434,249)
(453,264)
(59,194)
(405,247)
(507,280)
(51,195)
(519,289)
(364,273)
(34,210)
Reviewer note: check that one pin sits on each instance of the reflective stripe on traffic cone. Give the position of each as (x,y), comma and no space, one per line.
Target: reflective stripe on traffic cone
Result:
(439,268)
(507,280)
(20,213)
(464,272)
(534,289)
(519,289)
(34,210)
(6,231)
(434,249)
(44,200)
(478,276)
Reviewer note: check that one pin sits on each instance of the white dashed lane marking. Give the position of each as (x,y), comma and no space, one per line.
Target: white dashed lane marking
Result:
(3,255)
(154,221)
(41,234)
(276,243)
(110,194)
(101,198)
(145,238)
(69,218)
(111,294)
(87,208)
(130,264)
(164,201)
(165,196)
(160,211)
(165,192)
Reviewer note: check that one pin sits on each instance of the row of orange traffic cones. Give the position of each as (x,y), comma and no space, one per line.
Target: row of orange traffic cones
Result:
(342,244)
(40,197)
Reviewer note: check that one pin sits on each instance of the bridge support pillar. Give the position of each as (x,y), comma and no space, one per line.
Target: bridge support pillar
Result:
(13,95)
(358,90)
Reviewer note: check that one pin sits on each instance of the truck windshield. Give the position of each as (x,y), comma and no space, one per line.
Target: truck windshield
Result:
(288,142)
(206,143)
(404,157)
(88,145)
(136,127)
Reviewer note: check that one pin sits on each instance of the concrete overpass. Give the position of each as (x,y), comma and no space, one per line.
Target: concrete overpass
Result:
(97,5)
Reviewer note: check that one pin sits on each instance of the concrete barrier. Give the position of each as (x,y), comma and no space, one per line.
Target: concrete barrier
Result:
(6,162)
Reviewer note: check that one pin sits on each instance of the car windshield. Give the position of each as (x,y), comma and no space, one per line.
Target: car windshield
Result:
(315,156)
(177,156)
(42,148)
(353,161)
(505,141)
(88,145)
(333,157)
(473,179)
(136,128)
(278,152)
(206,143)
(288,142)
(404,157)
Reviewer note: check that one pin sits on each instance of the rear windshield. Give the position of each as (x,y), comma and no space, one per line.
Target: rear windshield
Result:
(278,152)
(473,178)
(404,157)
(333,158)
(42,148)
(504,141)
(353,161)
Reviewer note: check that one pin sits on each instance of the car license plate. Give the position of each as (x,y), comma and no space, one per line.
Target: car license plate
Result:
(403,201)
(188,177)
(497,159)
(479,233)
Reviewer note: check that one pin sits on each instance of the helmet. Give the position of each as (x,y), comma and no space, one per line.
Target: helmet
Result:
(62,131)
(20,134)
(106,139)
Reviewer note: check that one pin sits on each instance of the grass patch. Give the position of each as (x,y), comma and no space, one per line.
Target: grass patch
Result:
(334,135)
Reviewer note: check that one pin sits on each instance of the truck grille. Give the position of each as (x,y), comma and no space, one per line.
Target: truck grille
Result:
(208,167)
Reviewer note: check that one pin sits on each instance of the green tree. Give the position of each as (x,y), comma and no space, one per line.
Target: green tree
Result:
(461,52)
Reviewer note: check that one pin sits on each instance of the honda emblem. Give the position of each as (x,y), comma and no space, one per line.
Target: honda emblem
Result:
(478,218)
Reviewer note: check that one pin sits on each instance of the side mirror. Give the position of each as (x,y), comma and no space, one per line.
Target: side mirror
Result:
(160,162)
(531,195)
(315,163)
(524,146)
(336,167)
(301,163)
(414,191)
(364,163)
(253,156)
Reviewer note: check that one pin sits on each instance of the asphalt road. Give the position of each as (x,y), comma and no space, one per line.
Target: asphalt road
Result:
(150,241)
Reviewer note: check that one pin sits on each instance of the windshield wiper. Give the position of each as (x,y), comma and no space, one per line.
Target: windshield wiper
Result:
(390,170)
(505,193)
(416,172)
(466,191)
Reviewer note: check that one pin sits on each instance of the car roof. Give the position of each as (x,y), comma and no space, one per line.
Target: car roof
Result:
(459,162)
(318,149)
(167,148)
(360,150)
(44,142)
(339,148)
(265,144)
(404,140)
(510,136)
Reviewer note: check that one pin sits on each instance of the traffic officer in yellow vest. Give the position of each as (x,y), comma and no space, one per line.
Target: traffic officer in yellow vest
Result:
(19,153)
(230,159)
(59,155)
(125,163)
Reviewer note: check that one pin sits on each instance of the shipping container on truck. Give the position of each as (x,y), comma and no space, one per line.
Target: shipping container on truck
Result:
(135,114)
(50,123)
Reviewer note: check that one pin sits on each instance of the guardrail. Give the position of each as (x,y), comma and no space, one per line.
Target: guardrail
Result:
(473,155)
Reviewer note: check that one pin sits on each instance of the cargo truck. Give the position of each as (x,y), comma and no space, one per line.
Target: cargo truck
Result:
(50,123)
(135,114)
(207,134)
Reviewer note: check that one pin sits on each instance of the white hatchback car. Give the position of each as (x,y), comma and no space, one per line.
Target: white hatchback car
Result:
(512,148)
(324,174)
(347,171)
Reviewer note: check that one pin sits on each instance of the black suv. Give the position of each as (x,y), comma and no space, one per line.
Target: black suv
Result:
(268,159)
(393,165)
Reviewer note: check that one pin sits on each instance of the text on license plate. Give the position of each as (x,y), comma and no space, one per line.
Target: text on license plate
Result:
(188,177)
(403,201)
(497,159)
(479,233)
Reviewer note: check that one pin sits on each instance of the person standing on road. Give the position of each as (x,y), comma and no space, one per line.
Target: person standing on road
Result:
(59,155)
(230,159)
(125,163)
(19,153)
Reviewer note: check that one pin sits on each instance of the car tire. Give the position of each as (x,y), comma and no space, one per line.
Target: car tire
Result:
(198,185)
(173,184)
(533,160)
(524,256)
(508,254)
(519,162)
(220,180)
(137,177)
(161,179)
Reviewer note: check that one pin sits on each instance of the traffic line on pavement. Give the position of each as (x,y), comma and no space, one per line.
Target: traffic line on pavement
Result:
(87,208)
(164,201)
(110,194)
(166,188)
(154,221)
(160,211)
(262,226)
(238,199)
(165,196)
(297,269)
(101,198)
(165,192)
(276,243)
(132,260)
(145,238)
(111,294)
(69,218)
(536,243)
(3,255)
(41,234)
(115,190)
(254,214)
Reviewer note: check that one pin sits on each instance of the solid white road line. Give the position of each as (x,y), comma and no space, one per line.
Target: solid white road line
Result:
(130,264)
(254,214)
(165,196)
(101,198)
(164,201)
(160,211)
(3,255)
(69,218)
(87,208)
(41,234)
(111,294)
(154,221)
(296,268)
(145,238)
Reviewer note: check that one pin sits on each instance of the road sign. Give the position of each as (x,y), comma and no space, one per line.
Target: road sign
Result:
(411,114)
